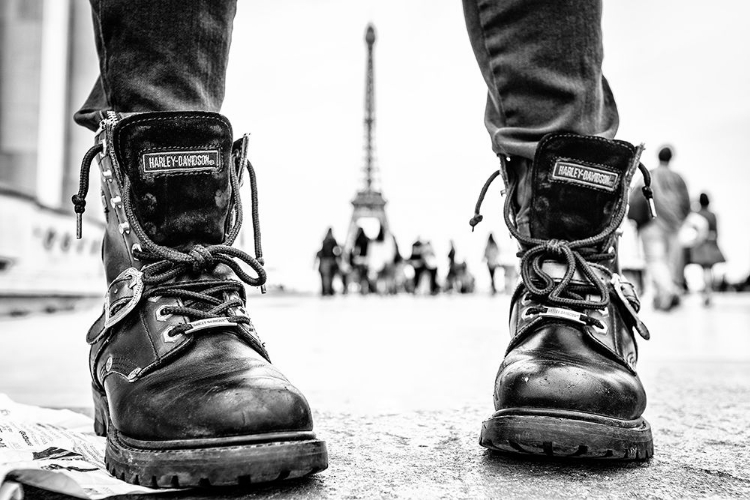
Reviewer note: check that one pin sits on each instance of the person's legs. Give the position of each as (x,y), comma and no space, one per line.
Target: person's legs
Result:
(492,269)
(541,61)
(708,284)
(183,386)
(656,252)
(676,261)
(567,385)
(542,64)
(166,55)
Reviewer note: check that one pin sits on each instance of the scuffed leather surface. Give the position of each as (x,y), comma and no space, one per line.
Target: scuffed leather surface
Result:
(177,209)
(557,364)
(218,387)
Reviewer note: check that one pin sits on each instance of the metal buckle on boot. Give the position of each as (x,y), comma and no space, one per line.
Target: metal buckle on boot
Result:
(127,286)
(619,284)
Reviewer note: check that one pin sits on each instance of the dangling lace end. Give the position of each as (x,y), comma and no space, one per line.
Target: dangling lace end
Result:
(477,217)
(79,206)
(475,220)
(79,199)
(263,289)
(648,193)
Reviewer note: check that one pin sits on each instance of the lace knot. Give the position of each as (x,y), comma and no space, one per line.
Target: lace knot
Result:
(555,247)
(202,257)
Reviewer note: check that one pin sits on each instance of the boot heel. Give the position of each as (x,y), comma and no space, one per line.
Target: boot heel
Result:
(101,412)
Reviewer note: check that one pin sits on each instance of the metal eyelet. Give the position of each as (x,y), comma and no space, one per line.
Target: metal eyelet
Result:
(600,331)
(603,315)
(529,313)
(136,246)
(167,335)
(159,314)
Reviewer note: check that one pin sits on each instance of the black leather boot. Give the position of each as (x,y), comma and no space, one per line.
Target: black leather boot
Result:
(568,386)
(183,387)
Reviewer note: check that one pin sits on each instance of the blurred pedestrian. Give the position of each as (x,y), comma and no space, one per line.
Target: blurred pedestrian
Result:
(360,271)
(662,249)
(451,280)
(380,255)
(424,262)
(491,257)
(328,262)
(707,253)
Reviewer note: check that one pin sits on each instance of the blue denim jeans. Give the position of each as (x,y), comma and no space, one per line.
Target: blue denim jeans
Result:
(541,60)
(159,55)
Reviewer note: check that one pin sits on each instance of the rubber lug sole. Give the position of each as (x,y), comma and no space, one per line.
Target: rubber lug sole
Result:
(565,437)
(210,462)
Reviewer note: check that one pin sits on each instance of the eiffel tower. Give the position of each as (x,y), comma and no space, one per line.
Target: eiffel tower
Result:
(368,203)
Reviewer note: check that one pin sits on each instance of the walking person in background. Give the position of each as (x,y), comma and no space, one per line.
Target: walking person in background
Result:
(661,246)
(328,262)
(360,262)
(491,257)
(707,253)
(452,276)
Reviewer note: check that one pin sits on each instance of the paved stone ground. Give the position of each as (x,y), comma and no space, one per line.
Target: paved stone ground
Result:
(400,385)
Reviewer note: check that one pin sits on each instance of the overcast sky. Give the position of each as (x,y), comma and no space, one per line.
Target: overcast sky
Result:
(296,82)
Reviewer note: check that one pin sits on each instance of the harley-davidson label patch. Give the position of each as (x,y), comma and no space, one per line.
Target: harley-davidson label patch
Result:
(180,161)
(585,175)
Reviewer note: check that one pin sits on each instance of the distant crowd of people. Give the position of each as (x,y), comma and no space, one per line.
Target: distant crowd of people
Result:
(375,265)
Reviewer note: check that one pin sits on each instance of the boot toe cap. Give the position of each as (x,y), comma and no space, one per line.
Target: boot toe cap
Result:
(544,380)
(242,395)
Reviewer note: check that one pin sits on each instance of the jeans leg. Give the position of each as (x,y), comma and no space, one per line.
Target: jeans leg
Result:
(542,62)
(165,55)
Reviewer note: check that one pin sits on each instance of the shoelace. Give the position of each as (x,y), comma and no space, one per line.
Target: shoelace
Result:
(579,255)
(169,264)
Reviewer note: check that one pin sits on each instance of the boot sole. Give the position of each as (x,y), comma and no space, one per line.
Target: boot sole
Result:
(567,434)
(230,461)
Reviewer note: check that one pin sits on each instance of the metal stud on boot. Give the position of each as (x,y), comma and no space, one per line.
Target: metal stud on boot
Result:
(183,386)
(568,385)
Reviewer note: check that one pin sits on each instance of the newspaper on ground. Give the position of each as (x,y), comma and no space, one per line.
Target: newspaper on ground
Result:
(55,450)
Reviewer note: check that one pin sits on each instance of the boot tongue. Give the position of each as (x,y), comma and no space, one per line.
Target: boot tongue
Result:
(178,165)
(577,185)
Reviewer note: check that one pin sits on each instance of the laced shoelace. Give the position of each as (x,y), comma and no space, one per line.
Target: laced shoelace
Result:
(205,298)
(578,255)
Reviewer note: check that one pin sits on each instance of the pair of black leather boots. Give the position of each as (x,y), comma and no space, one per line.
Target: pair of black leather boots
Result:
(184,389)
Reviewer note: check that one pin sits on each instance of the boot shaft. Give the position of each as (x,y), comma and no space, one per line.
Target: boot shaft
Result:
(579,186)
(169,175)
